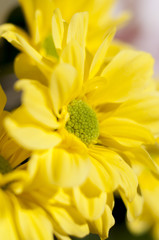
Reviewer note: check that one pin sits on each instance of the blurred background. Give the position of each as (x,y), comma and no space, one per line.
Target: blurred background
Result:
(142,32)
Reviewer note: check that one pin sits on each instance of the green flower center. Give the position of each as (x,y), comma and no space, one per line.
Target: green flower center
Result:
(4,166)
(82,122)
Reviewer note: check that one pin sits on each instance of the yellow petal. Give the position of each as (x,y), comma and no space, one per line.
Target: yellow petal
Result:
(125,130)
(20,40)
(25,68)
(45,9)
(140,156)
(134,208)
(77,29)
(100,177)
(127,75)
(63,85)
(100,55)
(102,225)
(63,166)
(120,172)
(32,137)
(36,99)
(68,221)
(57,28)
(7,221)
(31,220)
(89,200)
(3,99)
(73,54)
(144,110)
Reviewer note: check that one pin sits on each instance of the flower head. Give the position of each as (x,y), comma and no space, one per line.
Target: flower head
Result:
(81,119)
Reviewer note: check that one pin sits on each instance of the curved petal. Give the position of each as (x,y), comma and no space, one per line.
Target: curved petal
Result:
(140,156)
(63,85)
(74,54)
(45,9)
(134,208)
(7,222)
(125,131)
(68,221)
(32,137)
(127,75)
(100,55)
(25,68)
(144,110)
(36,99)
(57,28)
(89,200)
(31,220)
(77,29)
(102,225)
(63,166)
(121,174)
(21,41)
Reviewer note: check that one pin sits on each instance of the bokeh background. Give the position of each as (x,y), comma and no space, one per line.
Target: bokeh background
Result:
(142,32)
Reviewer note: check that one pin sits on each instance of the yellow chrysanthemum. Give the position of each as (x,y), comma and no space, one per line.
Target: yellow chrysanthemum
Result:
(95,111)
(149,187)
(39,18)
(30,209)
(87,120)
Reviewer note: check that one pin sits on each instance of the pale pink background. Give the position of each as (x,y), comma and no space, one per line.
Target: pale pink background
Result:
(143,29)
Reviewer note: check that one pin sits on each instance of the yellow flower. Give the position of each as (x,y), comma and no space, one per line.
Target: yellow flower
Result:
(39,18)
(31,209)
(83,121)
(149,187)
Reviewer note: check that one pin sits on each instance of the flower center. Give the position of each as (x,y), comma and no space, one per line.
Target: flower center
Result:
(4,166)
(82,121)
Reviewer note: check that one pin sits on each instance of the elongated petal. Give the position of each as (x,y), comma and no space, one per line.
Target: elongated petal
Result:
(125,130)
(73,54)
(77,29)
(63,166)
(68,221)
(21,41)
(140,156)
(62,87)
(143,110)
(57,28)
(25,68)
(36,99)
(45,9)
(7,223)
(100,55)
(127,75)
(32,137)
(134,208)
(100,177)
(102,225)
(90,201)
(121,174)
(31,220)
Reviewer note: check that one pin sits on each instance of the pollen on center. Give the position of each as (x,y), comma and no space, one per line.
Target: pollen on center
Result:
(82,122)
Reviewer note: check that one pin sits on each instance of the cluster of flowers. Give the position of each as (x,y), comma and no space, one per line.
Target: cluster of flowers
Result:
(88,126)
